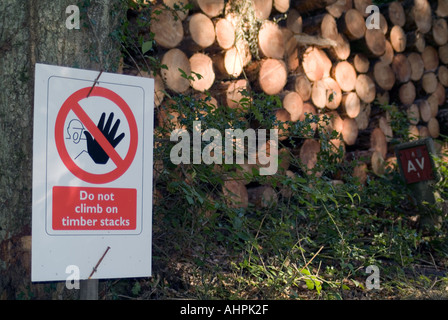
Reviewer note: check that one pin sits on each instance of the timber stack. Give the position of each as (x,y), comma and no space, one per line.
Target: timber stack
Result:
(320,57)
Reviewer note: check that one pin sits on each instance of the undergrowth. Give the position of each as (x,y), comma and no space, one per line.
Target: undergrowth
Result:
(314,242)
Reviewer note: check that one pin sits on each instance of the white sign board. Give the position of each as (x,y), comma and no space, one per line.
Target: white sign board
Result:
(92,174)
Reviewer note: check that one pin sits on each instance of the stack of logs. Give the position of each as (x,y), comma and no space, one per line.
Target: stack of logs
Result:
(320,59)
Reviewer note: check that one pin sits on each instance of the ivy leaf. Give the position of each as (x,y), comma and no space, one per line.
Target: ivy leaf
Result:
(146,46)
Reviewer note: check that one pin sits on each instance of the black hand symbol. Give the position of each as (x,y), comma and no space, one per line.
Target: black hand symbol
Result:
(95,151)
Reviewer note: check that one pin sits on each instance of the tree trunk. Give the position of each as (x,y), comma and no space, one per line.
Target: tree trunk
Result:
(36,33)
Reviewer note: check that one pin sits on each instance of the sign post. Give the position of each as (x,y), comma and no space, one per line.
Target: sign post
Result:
(418,170)
(92,175)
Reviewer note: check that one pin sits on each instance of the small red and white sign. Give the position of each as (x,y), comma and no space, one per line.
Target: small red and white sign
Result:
(92,173)
(416,164)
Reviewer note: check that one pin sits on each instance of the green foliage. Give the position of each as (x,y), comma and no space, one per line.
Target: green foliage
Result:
(316,242)
(270,248)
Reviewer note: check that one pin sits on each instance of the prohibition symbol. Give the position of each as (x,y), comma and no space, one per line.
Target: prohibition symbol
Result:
(122,164)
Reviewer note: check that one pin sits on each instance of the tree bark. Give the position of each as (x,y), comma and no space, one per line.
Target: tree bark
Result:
(35,32)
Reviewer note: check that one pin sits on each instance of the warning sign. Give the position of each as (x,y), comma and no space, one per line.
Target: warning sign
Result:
(92,173)
(101,140)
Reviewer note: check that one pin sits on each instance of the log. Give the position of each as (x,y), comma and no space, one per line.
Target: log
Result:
(159,90)
(442,8)
(415,40)
(341,51)
(335,122)
(375,41)
(345,75)
(361,63)
(200,32)
(417,66)
(328,27)
(281,115)
(293,103)
(378,142)
(269,75)
(362,119)
(349,131)
(443,53)
(430,58)
(365,88)
(382,97)
(291,50)
(433,127)
(434,104)
(338,8)
(373,44)
(350,105)
(167,28)
(175,59)
(308,154)
(441,94)
(378,164)
(398,38)
(303,87)
(442,75)
(407,93)
(384,125)
(235,194)
(209,100)
(225,33)
(419,16)
(429,82)
(243,48)
(361,6)
(262,196)
(424,109)
(212,8)
(270,40)
(305,40)
(401,68)
(423,132)
(233,93)
(413,132)
(383,24)
(309,110)
(202,64)
(159,87)
(179,6)
(388,55)
(281,6)
(294,21)
(440,32)
(228,63)
(413,114)
(384,75)
(262,9)
(395,13)
(319,94)
(333,94)
(352,24)
(316,64)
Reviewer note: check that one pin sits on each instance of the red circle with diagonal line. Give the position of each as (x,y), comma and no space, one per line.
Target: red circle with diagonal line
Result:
(72,104)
